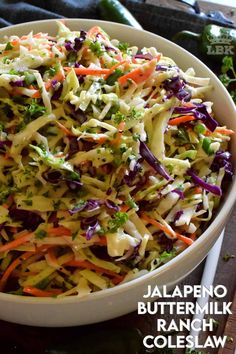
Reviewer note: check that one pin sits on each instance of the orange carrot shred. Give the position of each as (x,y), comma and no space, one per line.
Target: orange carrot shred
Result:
(12,267)
(185,239)
(17,242)
(182,119)
(41,293)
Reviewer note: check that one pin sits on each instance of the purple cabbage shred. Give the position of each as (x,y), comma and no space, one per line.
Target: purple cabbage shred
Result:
(175,87)
(179,192)
(146,56)
(91,230)
(152,160)
(223,159)
(200,112)
(199,181)
(17,83)
(78,42)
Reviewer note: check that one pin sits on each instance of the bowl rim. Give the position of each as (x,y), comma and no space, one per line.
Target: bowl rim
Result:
(225,209)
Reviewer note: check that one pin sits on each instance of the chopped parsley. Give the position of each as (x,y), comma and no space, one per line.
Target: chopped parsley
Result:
(123,46)
(114,77)
(33,111)
(40,234)
(120,219)
(28,202)
(9,46)
(96,48)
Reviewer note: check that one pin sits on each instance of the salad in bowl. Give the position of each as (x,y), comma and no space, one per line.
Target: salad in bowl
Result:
(112,161)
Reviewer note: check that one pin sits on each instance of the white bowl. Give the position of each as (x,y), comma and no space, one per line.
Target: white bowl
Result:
(111,303)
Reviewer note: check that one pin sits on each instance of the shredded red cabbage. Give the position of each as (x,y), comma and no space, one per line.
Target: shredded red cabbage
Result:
(178,215)
(17,83)
(57,93)
(130,178)
(5,143)
(179,192)
(93,204)
(175,87)
(77,45)
(91,230)
(146,56)
(200,112)
(199,181)
(223,159)
(152,160)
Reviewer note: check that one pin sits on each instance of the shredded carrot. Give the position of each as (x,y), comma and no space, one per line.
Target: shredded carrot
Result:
(193,236)
(15,42)
(139,75)
(224,131)
(124,208)
(88,265)
(198,190)
(117,140)
(116,66)
(17,242)
(52,258)
(12,267)
(65,130)
(94,31)
(59,231)
(101,140)
(41,293)
(5,205)
(185,239)
(37,94)
(87,71)
(13,229)
(182,119)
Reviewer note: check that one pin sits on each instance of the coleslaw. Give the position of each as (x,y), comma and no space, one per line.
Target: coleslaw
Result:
(111,162)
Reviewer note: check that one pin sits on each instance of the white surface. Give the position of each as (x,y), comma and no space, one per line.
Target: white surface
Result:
(208,277)
(122,299)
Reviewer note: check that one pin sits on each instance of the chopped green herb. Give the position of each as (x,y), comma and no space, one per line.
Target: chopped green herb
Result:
(29,78)
(131,203)
(114,77)
(123,46)
(53,70)
(33,111)
(40,234)
(13,72)
(118,117)
(182,136)
(43,284)
(120,219)
(28,202)
(96,48)
(56,204)
(9,46)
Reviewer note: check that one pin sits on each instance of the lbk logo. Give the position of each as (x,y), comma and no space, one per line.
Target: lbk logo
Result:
(221,45)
